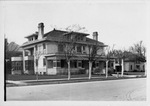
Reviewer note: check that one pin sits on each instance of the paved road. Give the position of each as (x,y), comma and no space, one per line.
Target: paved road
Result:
(116,90)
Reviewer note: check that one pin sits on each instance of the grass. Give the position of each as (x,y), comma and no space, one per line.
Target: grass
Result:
(65,81)
(33,77)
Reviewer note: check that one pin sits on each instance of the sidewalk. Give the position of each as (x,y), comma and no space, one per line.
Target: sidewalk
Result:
(10,83)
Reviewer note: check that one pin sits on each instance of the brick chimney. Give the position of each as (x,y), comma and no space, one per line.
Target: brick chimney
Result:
(95,36)
(40,30)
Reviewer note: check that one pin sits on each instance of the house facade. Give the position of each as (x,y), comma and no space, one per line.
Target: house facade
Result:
(131,64)
(46,52)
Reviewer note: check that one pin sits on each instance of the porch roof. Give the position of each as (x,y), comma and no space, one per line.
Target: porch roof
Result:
(77,57)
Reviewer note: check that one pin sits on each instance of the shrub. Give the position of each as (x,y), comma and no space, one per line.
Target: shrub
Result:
(82,71)
(111,71)
(134,70)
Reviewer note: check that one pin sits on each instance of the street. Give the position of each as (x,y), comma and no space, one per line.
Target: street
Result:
(112,90)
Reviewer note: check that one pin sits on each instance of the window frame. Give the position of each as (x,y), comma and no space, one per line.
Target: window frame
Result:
(79,49)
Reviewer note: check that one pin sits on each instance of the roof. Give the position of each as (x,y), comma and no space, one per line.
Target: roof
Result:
(32,42)
(34,34)
(134,58)
(58,35)
(63,32)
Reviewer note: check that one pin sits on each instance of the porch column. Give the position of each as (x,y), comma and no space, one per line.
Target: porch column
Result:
(46,65)
(114,65)
(34,60)
(145,65)
(23,52)
(122,68)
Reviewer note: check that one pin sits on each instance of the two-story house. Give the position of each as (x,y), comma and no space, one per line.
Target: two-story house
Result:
(46,52)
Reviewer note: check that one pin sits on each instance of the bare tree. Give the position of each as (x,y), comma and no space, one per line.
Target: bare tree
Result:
(138,49)
(76,28)
(68,44)
(69,53)
(109,54)
(93,55)
(70,28)
(37,56)
(121,55)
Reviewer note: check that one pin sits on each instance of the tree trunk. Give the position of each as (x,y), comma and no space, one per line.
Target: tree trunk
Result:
(106,68)
(37,74)
(145,69)
(122,70)
(90,69)
(69,70)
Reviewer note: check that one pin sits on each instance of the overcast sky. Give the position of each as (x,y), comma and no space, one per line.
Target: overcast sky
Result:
(122,24)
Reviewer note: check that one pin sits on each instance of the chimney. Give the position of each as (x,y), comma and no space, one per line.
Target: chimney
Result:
(40,30)
(95,36)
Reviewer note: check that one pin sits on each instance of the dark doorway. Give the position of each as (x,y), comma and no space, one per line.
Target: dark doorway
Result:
(118,68)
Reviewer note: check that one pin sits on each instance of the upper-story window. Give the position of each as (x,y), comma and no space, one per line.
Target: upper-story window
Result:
(79,49)
(44,46)
(36,47)
(60,48)
(84,51)
(44,61)
(79,38)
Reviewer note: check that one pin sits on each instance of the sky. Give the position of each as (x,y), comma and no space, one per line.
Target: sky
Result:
(119,24)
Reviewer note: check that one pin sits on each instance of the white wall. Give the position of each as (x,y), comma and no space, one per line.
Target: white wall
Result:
(51,47)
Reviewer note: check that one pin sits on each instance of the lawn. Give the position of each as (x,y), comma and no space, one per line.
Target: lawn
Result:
(33,77)
(134,73)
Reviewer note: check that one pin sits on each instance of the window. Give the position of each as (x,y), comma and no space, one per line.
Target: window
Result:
(36,62)
(36,47)
(57,63)
(73,64)
(79,49)
(97,64)
(131,67)
(62,63)
(138,66)
(50,63)
(44,47)
(60,48)
(44,61)
(112,64)
(79,64)
(83,49)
